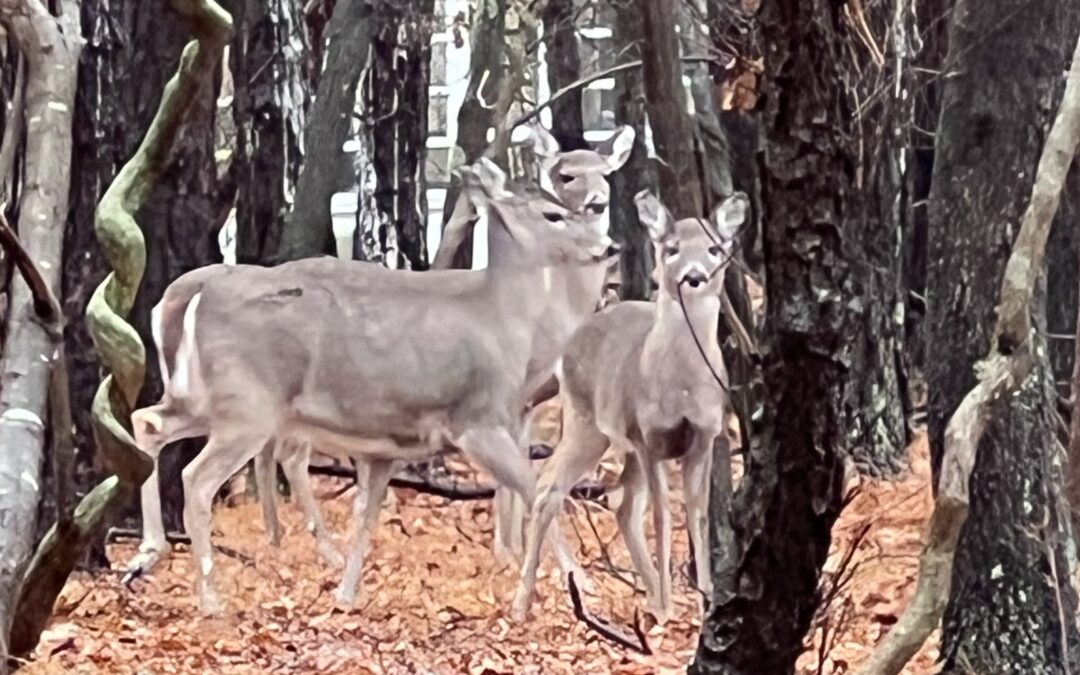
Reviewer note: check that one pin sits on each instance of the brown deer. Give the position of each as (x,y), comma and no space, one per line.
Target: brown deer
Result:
(575,179)
(388,365)
(648,379)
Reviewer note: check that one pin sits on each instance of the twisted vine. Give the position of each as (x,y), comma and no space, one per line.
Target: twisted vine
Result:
(116,341)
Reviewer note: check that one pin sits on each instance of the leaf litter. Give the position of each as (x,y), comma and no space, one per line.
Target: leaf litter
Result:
(433,599)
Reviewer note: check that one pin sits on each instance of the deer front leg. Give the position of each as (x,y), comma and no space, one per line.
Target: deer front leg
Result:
(372,479)
(224,455)
(266,485)
(697,472)
(631,518)
(658,489)
(295,465)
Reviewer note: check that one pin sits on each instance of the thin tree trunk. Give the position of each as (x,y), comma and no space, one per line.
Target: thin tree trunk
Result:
(308,230)
(270,95)
(51,48)
(829,364)
(1003,612)
(563,68)
(399,109)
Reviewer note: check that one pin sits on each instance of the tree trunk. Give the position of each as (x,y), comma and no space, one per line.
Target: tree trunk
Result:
(308,230)
(636,258)
(50,45)
(270,95)
(996,108)
(564,67)
(829,358)
(399,110)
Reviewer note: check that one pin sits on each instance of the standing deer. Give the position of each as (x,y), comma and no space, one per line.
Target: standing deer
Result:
(649,379)
(385,364)
(575,179)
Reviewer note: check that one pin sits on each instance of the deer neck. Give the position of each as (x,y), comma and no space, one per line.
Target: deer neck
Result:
(670,348)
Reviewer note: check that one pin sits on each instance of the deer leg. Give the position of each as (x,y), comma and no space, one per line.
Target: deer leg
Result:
(510,511)
(152,432)
(631,518)
(373,477)
(658,489)
(295,465)
(697,470)
(203,477)
(579,451)
(266,483)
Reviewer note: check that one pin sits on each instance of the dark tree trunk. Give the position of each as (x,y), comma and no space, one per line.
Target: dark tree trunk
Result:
(270,96)
(399,110)
(665,101)
(133,48)
(636,259)
(563,68)
(308,230)
(486,35)
(829,357)
(1005,76)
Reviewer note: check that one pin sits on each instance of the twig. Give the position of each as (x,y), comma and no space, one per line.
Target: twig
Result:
(47,311)
(605,629)
(117,533)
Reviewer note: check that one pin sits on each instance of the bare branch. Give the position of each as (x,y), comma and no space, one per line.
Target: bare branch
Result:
(605,629)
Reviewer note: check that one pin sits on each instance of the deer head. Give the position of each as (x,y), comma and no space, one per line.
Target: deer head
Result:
(577,178)
(537,228)
(692,254)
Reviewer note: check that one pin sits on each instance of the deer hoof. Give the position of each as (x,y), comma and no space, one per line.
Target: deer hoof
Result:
(345,597)
(148,556)
(661,614)
(519,610)
(209,604)
(504,555)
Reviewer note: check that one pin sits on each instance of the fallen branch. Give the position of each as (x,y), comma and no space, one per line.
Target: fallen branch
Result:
(118,533)
(606,630)
(1008,363)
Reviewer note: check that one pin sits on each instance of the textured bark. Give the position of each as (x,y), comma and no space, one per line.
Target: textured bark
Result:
(399,107)
(270,97)
(308,230)
(996,105)
(829,357)
(636,258)
(564,67)
(672,128)
(50,45)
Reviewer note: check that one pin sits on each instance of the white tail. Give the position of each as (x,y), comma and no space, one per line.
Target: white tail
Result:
(648,379)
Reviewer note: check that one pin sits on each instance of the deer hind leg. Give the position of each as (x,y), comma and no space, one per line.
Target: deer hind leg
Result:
(631,518)
(510,514)
(266,484)
(697,472)
(372,477)
(579,451)
(658,489)
(224,455)
(154,427)
(295,465)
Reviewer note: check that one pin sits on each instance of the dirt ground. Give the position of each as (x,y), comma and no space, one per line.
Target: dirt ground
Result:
(433,599)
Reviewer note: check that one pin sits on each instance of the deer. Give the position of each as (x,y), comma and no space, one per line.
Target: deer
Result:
(389,365)
(575,178)
(649,380)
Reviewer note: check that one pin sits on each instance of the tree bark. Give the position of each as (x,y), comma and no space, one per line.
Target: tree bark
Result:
(270,100)
(830,384)
(1004,607)
(308,230)
(399,110)
(51,45)
(563,68)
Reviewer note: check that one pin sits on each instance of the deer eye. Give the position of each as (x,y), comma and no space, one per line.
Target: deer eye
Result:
(715,251)
(671,251)
(565,178)
(553,217)
(598,209)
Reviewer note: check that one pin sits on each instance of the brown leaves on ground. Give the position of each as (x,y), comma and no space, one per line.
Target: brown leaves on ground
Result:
(434,600)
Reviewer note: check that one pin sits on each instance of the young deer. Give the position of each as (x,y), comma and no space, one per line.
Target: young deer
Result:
(382,364)
(644,378)
(576,179)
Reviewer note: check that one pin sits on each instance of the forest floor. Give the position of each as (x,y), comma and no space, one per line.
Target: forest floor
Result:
(433,599)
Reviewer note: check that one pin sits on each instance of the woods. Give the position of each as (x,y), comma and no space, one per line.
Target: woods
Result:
(759,315)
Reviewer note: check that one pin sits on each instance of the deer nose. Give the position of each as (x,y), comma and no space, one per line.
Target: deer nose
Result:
(695,278)
(613,249)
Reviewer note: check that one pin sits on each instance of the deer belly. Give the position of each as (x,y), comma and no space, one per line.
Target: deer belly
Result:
(671,442)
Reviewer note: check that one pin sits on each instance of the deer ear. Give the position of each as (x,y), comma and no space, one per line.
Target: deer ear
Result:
(730,214)
(544,145)
(484,181)
(653,215)
(616,150)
